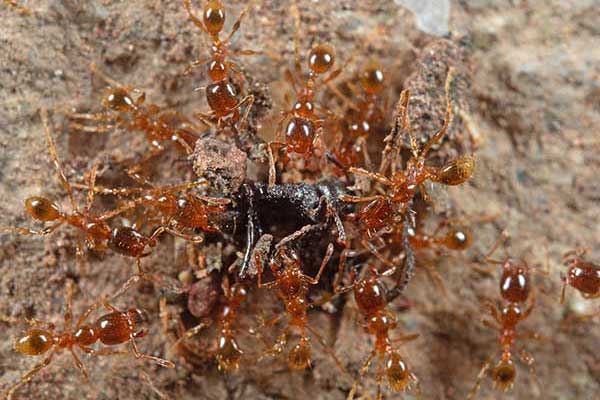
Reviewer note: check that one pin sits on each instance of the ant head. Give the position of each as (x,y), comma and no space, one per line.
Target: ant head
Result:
(459,238)
(217,70)
(397,372)
(321,58)
(119,99)
(514,282)
(238,293)
(42,209)
(214,16)
(372,78)
(299,356)
(34,342)
(504,374)
(370,294)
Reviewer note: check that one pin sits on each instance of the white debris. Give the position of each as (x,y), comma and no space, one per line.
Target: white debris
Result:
(432,15)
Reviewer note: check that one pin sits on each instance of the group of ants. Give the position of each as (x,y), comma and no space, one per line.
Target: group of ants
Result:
(376,203)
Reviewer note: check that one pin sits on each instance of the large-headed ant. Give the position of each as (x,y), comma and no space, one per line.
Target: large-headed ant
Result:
(292,286)
(116,327)
(581,275)
(372,300)
(221,93)
(135,115)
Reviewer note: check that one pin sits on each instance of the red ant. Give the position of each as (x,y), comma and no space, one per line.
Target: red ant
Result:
(94,227)
(371,298)
(515,290)
(221,94)
(228,352)
(582,275)
(361,118)
(142,117)
(302,125)
(292,288)
(382,209)
(116,327)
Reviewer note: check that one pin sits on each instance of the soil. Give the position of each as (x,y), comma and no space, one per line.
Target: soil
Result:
(529,100)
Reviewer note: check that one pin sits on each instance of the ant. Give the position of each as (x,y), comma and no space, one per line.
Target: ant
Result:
(362,118)
(382,209)
(221,93)
(228,352)
(515,291)
(116,327)
(372,300)
(292,288)
(142,117)
(94,227)
(582,275)
(302,125)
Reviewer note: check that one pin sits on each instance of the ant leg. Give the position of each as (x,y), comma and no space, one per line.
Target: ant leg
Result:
(27,377)
(189,238)
(259,272)
(296,15)
(289,77)
(329,350)
(192,17)
(436,278)
(78,363)
(195,64)
(91,183)
(480,377)
(125,207)
(527,359)
(206,119)
(368,245)
(360,199)
(326,258)
(126,286)
(363,370)
(249,101)
(406,338)
(104,352)
(31,232)
(160,361)
(55,159)
(86,314)
(28,321)
(493,311)
(400,125)
(237,23)
(373,175)
(272,171)
(447,119)
(188,334)
(503,237)
(68,317)
(379,378)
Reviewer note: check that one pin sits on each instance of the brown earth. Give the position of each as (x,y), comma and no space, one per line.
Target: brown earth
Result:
(530,100)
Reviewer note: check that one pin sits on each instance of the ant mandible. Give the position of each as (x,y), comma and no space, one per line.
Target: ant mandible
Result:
(382,209)
(116,327)
(94,227)
(228,352)
(221,94)
(581,275)
(292,286)
(372,300)
(147,118)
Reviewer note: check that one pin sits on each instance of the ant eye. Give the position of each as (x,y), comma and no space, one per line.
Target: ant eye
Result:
(321,58)
(42,209)
(214,17)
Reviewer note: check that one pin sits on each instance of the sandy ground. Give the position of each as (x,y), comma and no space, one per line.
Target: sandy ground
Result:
(530,101)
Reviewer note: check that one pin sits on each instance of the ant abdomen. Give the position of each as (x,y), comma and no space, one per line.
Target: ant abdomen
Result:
(300,355)
(321,58)
(42,209)
(127,241)
(228,354)
(455,172)
(397,372)
(214,17)
(504,374)
(34,342)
